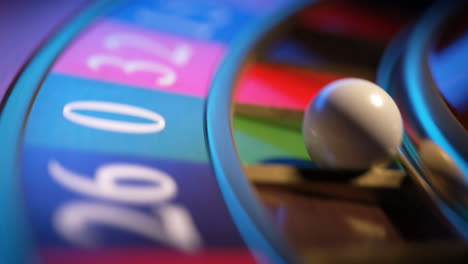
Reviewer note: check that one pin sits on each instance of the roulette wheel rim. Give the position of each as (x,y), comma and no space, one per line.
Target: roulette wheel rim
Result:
(246,210)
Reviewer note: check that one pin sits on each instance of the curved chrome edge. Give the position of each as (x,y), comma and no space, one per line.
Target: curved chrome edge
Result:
(248,214)
(16,244)
(412,42)
(432,112)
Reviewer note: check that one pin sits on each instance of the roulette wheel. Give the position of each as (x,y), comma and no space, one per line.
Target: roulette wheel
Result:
(171,132)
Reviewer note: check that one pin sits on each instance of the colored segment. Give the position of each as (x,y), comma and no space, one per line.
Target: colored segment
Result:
(181,137)
(253,150)
(213,21)
(84,199)
(280,86)
(115,52)
(354,20)
(146,256)
(268,140)
(291,51)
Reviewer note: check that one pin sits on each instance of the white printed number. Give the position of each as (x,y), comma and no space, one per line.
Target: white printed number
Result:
(157,125)
(177,55)
(169,224)
(105,184)
(167,78)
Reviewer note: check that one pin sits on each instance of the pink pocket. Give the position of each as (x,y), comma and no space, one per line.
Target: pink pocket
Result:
(124,54)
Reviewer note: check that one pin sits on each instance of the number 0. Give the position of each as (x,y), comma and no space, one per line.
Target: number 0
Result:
(157,125)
